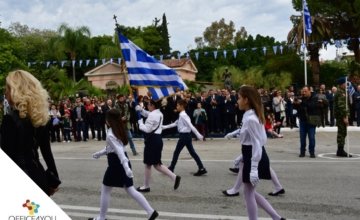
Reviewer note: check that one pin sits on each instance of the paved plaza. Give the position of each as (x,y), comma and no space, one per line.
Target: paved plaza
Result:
(326,187)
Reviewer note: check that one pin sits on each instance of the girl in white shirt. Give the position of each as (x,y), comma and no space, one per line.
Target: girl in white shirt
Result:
(256,161)
(118,173)
(152,129)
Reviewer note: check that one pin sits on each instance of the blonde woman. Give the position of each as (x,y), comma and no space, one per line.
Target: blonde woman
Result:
(24,129)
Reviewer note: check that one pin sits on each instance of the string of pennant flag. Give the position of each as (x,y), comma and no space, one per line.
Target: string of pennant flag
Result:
(277,49)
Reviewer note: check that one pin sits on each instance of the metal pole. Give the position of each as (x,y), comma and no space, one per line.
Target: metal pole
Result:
(304,42)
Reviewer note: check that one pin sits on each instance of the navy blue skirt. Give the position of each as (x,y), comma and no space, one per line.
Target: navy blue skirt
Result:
(115,175)
(263,167)
(153,149)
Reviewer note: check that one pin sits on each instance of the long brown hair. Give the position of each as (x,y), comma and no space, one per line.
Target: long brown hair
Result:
(254,101)
(113,118)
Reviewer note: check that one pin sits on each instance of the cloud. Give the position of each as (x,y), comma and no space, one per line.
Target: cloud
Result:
(187,18)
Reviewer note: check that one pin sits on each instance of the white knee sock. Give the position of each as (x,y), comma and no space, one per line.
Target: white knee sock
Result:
(238,182)
(164,170)
(251,206)
(140,199)
(264,204)
(104,201)
(275,180)
(147,177)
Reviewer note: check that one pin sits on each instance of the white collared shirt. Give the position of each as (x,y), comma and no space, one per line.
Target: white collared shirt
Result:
(114,145)
(154,121)
(253,133)
(184,125)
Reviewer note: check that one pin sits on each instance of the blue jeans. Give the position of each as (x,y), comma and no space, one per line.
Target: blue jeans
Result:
(309,130)
(185,139)
(131,143)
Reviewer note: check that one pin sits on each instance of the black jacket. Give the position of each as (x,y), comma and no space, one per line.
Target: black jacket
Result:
(21,141)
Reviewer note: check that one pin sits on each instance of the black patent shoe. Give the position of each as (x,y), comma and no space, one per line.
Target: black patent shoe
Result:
(177,182)
(139,189)
(230,195)
(154,215)
(234,170)
(281,191)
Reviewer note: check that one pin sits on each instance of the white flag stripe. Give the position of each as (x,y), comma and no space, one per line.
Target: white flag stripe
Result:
(153,77)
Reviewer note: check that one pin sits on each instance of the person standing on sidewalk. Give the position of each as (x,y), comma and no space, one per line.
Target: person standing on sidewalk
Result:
(309,116)
(341,113)
(184,127)
(123,107)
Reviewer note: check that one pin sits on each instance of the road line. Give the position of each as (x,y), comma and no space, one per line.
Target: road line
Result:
(141,212)
(332,160)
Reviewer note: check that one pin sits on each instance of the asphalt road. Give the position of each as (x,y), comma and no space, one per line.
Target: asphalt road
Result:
(322,188)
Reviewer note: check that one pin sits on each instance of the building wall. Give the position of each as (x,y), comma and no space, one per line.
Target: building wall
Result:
(100,81)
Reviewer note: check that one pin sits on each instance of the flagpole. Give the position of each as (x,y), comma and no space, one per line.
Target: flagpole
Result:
(304,42)
(346,110)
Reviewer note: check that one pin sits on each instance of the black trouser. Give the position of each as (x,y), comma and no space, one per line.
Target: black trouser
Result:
(185,139)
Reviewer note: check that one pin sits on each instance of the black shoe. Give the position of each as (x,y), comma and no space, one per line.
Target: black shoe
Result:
(343,154)
(135,153)
(230,195)
(94,218)
(302,155)
(143,190)
(283,219)
(281,191)
(177,182)
(200,172)
(312,156)
(234,170)
(154,215)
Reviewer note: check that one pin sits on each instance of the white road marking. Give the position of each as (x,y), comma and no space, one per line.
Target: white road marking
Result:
(336,160)
(162,214)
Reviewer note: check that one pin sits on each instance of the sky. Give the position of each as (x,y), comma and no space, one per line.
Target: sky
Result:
(186,19)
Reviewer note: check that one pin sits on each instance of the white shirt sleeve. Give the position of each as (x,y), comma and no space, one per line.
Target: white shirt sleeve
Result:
(256,135)
(191,126)
(151,123)
(170,125)
(118,148)
(144,113)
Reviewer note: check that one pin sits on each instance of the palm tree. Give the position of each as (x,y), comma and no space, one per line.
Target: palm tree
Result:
(321,31)
(73,40)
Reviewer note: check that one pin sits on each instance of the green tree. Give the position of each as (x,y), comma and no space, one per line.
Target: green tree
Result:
(219,34)
(11,56)
(73,41)
(165,45)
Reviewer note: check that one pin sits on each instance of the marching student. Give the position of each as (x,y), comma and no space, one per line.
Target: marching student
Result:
(256,162)
(238,168)
(152,129)
(184,127)
(118,173)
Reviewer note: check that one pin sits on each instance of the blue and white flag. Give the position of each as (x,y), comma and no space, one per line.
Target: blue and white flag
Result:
(350,88)
(145,70)
(307,18)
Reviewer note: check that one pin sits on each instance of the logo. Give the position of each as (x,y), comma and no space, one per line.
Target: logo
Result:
(32,207)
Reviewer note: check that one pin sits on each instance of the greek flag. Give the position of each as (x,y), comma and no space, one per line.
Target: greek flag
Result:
(307,18)
(145,70)
(350,88)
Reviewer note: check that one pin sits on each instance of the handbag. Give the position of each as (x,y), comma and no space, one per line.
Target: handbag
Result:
(314,120)
(52,180)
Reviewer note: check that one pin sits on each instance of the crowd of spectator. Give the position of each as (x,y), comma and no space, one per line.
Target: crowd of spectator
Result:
(213,112)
